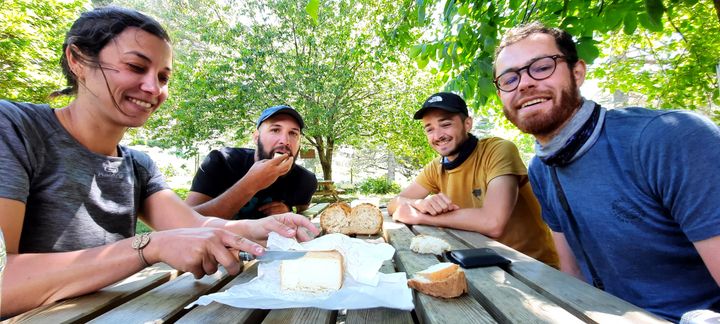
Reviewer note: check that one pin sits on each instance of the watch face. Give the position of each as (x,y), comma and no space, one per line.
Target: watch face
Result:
(141,241)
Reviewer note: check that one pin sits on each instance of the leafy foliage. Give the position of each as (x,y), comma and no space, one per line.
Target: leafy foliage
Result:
(31,37)
(470,30)
(235,59)
(379,185)
(674,68)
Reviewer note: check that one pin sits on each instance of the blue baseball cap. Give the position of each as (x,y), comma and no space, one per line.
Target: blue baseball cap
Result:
(281,109)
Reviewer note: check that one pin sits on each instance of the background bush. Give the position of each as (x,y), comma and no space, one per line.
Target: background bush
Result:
(379,185)
(142,228)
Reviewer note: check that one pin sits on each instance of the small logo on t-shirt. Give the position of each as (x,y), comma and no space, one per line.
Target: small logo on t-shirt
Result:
(111,166)
(477,193)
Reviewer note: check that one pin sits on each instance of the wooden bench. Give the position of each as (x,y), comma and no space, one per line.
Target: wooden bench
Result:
(314,210)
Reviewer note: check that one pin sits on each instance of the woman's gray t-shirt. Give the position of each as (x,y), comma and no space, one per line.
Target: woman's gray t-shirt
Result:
(75,199)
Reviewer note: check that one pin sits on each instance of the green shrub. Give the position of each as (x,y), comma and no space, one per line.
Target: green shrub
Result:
(379,185)
(142,228)
(182,192)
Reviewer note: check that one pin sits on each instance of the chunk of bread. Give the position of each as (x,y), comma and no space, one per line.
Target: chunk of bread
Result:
(365,219)
(429,244)
(315,272)
(334,219)
(446,280)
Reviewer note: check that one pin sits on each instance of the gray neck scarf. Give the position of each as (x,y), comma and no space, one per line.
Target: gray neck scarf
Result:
(575,138)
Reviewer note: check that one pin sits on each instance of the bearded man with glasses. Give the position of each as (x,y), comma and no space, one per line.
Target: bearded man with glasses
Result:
(630,194)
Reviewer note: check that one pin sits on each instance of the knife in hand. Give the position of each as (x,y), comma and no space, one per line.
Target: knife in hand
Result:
(271,255)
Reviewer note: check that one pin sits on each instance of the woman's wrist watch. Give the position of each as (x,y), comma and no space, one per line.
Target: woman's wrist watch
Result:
(139,243)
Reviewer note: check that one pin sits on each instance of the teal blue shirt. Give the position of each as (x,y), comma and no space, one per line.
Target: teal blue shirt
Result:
(644,192)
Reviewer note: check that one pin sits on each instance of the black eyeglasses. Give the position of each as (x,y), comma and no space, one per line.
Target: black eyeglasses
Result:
(539,69)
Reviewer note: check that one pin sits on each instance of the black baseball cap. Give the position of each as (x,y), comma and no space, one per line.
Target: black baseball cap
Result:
(447,101)
(281,109)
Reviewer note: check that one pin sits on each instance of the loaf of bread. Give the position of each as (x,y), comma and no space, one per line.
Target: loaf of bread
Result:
(446,280)
(429,244)
(363,219)
(315,272)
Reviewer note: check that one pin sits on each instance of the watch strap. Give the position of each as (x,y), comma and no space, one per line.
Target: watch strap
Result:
(139,243)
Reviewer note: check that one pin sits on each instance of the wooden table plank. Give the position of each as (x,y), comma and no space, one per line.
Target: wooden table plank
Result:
(379,315)
(301,315)
(430,309)
(463,309)
(398,235)
(220,313)
(167,301)
(505,297)
(582,300)
(84,308)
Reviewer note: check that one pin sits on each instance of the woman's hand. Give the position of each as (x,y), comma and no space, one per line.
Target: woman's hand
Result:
(199,250)
(287,225)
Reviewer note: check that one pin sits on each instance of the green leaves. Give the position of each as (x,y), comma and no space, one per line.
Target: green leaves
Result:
(665,69)
(587,49)
(648,22)
(31,36)
(420,5)
(312,9)
(630,23)
(655,10)
(416,50)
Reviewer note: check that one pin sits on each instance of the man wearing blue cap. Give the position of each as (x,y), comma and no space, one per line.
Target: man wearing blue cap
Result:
(242,183)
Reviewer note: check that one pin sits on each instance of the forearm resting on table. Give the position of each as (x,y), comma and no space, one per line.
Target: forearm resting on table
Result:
(469,219)
(35,279)
(395,202)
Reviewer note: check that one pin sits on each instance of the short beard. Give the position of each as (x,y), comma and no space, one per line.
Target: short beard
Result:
(546,124)
(456,150)
(262,155)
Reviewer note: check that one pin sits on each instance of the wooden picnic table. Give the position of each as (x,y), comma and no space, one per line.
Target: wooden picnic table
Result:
(327,188)
(528,292)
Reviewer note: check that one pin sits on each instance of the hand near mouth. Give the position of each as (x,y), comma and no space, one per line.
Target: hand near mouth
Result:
(264,173)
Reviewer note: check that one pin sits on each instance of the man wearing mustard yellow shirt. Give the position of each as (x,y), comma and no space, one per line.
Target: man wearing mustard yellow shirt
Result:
(478,185)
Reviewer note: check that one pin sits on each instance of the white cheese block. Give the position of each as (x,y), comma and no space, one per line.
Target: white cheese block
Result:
(317,271)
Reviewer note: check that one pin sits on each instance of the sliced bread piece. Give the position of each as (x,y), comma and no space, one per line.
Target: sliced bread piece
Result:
(446,280)
(335,218)
(315,272)
(429,244)
(366,219)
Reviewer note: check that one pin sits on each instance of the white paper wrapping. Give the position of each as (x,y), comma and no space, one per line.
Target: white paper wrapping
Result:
(364,285)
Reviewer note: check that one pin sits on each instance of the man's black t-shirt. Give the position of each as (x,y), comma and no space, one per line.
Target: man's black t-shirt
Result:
(222,168)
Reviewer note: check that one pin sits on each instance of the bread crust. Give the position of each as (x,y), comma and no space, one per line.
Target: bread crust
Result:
(450,286)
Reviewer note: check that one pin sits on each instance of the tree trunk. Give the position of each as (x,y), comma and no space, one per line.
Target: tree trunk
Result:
(390,166)
(717,8)
(325,150)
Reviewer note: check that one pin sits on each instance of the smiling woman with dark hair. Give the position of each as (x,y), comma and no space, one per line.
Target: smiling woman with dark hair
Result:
(71,195)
